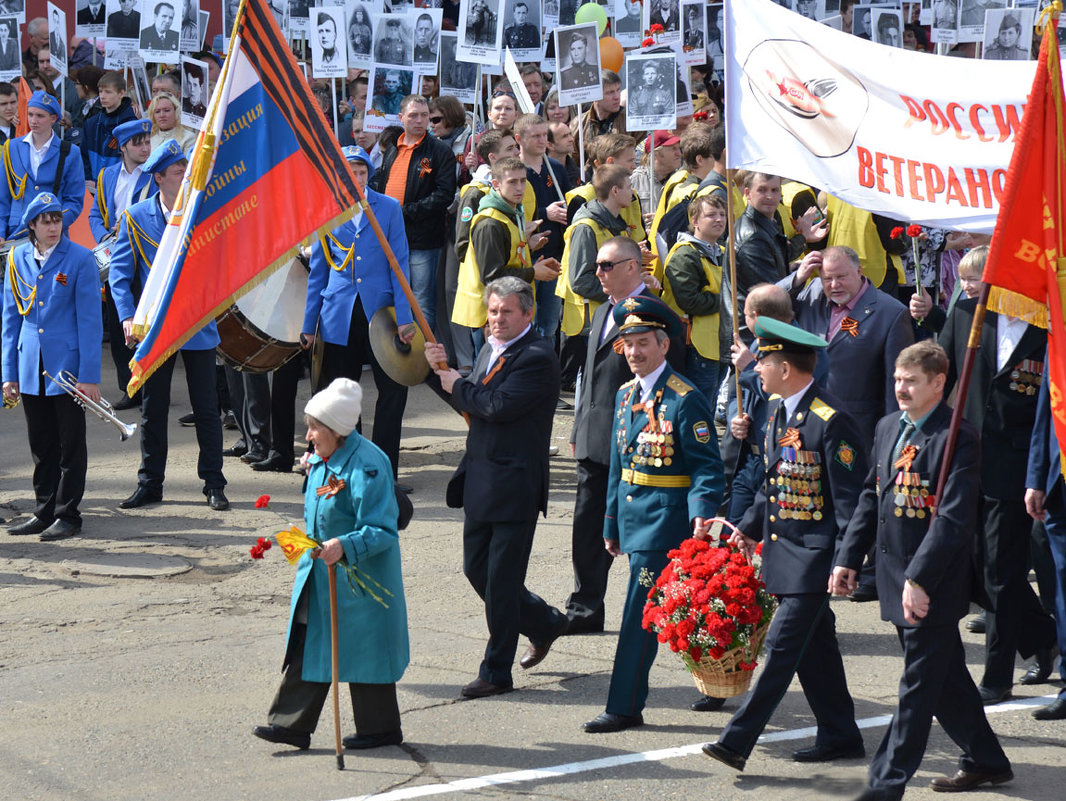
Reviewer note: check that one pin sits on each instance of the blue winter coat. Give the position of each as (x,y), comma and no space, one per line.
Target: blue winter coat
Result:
(373,644)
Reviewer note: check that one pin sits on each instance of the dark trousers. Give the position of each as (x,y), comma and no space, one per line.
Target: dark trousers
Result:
(572,356)
(56,428)
(1016,621)
(635,653)
(284,383)
(591,561)
(802,642)
(495,559)
(120,352)
(935,682)
(1055,525)
(155,409)
(346,361)
(297,705)
(249,394)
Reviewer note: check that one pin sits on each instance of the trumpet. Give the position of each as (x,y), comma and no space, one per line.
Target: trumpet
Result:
(69,384)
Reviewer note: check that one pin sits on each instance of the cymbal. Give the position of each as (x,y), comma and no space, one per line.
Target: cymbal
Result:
(404,364)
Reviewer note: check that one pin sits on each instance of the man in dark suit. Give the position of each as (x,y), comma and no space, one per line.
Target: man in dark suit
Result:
(502,481)
(923,578)
(1001,405)
(1045,499)
(665,481)
(814,474)
(57,37)
(126,22)
(158,36)
(92,14)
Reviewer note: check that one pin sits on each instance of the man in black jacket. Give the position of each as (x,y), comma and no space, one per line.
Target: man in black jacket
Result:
(419,171)
(923,578)
(502,481)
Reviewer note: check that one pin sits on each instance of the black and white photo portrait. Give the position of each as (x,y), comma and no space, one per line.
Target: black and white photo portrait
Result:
(299,15)
(393,40)
(807,8)
(90,19)
(522,31)
(1009,34)
(194,92)
(628,26)
(10,52)
(693,36)
(945,22)
(159,38)
(577,49)
(16,7)
(716,39)
(190,38)
(427,36)
(888,27)
(360,34)
(652,90)
(388,86)
(329,53)
(457,78)
(972,18)
(57,38)
(481,23)
(481,31)
(666,13)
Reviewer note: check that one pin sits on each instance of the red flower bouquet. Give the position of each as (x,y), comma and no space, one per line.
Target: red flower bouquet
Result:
(711,607)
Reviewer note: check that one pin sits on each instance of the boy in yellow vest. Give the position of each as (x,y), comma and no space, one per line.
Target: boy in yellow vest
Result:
(612,148)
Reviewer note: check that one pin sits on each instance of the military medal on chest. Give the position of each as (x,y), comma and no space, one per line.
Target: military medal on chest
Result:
(910,492)
(1026,377)
(798,480)
(655,442)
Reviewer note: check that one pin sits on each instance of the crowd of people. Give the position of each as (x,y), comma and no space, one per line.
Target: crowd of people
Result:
(806,403)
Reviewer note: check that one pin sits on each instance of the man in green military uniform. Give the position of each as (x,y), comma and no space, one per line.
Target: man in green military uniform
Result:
(665,480)
(579,73)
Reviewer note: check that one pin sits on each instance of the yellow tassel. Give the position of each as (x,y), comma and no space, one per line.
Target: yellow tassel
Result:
(1011,304)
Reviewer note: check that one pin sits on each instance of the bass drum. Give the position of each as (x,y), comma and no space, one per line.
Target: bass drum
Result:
(261,331)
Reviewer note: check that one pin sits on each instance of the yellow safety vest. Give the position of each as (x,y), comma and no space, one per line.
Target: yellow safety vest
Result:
(469,307)
(855,228)
(666,202)
(789,190)
(703,333)
(577,311)
(633,216)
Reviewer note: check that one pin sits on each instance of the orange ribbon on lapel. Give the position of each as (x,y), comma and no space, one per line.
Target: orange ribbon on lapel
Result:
(331,488)
(495,369)
(61,278)
(791,439)
(850,326)
(906,458)
(425,167)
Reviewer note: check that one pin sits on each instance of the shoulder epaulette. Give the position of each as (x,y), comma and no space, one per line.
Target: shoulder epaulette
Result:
(678,386)
(629,383)
(822,409)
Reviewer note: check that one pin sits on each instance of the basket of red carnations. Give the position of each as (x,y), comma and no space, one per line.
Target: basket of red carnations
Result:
(711,607)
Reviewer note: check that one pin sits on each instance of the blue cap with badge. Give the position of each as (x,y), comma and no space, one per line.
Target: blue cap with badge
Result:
(127,130)
(45,102)
(356,153)
(642,313)
(41,204)
(168,153)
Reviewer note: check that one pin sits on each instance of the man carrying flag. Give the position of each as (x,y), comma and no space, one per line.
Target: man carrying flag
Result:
(139,235)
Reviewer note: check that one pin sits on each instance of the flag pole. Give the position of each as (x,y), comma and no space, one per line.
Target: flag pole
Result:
(737,313)
(332,569)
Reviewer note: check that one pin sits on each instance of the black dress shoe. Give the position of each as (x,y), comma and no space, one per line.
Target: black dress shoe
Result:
(126,402)
(727,756)
(254,456)
(358,742)
(60,530)
(707,703)
(990,696)
(32,526)
(607,722)
(536,652)
(188,420)
(827,753)
(279,734)
(977,623)
(142,496)
(229,422)
(585,625)
(1056,710)
(479,688)
(275,463)
(237,450)
(1040,669)
(863,593)
(217,500)
(878,794)
(966,780)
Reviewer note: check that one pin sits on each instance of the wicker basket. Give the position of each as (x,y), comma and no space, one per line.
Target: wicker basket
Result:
(721,678)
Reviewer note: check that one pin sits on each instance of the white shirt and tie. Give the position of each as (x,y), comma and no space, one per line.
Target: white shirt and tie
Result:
(37,156)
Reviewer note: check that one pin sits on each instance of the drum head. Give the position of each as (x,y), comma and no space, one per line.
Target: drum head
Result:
(276,306)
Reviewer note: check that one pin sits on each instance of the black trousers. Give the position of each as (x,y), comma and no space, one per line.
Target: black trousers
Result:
(120,352)
(283,387)
(591,561)
(935,682)
(249,395)
(1016,621)
(346,361)
(297,705)
(56,428)
(155,409)
(495,559)
(802,642)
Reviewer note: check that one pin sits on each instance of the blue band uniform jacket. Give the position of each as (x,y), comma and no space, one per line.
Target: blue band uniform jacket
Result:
(18,187)
(102,217)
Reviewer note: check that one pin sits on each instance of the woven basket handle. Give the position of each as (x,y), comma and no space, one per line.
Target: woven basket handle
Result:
(733,529)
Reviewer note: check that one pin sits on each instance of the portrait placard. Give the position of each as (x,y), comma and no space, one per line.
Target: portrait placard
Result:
(577,49)
(481,32)
(195,92)
(329,52)
(652,89)
(90,18)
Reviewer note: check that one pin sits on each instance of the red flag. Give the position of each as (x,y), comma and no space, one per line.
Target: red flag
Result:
(25,91)
(1028,251)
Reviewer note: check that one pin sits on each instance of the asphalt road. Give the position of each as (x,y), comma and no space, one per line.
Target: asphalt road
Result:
(135,659)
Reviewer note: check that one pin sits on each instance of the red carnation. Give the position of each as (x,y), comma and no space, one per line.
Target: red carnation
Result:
(647,42)
(256,552)
(262,502)
(657,29)
(914,230)
(897,232)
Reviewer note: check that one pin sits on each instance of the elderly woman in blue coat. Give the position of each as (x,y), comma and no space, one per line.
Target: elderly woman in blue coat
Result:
(350,507)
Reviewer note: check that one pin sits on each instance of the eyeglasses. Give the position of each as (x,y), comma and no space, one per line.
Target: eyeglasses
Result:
(607,266)
(503,93)
(436,120)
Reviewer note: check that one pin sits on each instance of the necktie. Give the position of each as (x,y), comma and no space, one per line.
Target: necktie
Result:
(904,438)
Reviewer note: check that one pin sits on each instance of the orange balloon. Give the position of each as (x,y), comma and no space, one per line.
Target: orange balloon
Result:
(611,54)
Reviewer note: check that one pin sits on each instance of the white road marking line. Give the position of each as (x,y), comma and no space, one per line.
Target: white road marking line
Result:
(570,768)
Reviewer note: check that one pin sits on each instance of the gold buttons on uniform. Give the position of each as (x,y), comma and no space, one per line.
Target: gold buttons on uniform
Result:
(40,330)
(773,537)
(772,518)
(773,499)
(358,280)
(629,498)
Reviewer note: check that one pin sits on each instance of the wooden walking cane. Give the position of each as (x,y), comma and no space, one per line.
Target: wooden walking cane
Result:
(335,660)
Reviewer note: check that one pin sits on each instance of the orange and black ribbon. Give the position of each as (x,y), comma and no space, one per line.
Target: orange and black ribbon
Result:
(791,439)
(61,278)
(495,369)
(906,458)
(850,326)
(425,167)
(331,487)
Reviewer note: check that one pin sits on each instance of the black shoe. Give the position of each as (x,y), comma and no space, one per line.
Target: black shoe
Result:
(585,625)
(1056,710)
(561,404)
(275,463)
(60,530)
(991,696)
(1040,669)
(360,741)
(279,734)
(142,496)
(126,402)
(863,593)
(965,780)
(827,753)
(254,456)
(977,623)
(607,722)
(479,688)
(229,422)
(237,450)
(727,756)
(217,499)
(32,526)
(876,794)
(188,420)
(707,703)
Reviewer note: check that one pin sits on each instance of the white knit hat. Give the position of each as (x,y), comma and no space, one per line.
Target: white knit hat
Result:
(338,406)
